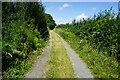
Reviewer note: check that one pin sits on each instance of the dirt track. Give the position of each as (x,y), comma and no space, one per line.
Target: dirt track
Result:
(40,66)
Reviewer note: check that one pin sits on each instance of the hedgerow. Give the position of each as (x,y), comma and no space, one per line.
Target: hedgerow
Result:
(24,30)
(101,31)
(96,42)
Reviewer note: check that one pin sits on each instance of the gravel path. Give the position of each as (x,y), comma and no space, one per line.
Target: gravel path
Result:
(79,66)
(39,68)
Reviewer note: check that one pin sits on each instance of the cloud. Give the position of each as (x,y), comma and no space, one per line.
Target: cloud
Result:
(94,8)
(63,21)
(64,6)
(81,16)
(69,20)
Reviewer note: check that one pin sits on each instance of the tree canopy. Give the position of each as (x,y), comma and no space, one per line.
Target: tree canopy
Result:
(50,22)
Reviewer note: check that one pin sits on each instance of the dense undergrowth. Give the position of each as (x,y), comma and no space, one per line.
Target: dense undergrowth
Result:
(24,34)
(101,31)
(96,41)
(102,66)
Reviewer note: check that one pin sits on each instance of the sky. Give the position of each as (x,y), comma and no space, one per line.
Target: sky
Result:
(66,12)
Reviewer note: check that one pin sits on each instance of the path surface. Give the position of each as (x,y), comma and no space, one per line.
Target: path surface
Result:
(79,66)
(40,66)
(59,64)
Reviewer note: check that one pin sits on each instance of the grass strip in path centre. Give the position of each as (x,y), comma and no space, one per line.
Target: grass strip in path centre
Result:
(59,63)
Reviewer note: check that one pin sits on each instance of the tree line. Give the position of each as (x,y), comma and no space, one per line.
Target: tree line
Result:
(24,29)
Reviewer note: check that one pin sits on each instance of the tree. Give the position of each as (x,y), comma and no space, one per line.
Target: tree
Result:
(50,22)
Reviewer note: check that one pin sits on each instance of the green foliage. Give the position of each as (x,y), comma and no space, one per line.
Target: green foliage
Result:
(101,31)
(50,22)
(24,29)
(18,71)
(101,65)
(57,66)
(96,41)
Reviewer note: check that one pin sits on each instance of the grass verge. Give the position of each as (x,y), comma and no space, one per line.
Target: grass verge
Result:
(101,65)
(59,63)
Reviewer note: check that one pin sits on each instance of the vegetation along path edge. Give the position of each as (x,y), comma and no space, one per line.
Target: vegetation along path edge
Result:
(79,66)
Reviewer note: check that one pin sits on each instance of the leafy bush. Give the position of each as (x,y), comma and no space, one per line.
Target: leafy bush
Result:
(24,29)
(102,66)
(96,41)
(101,31)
